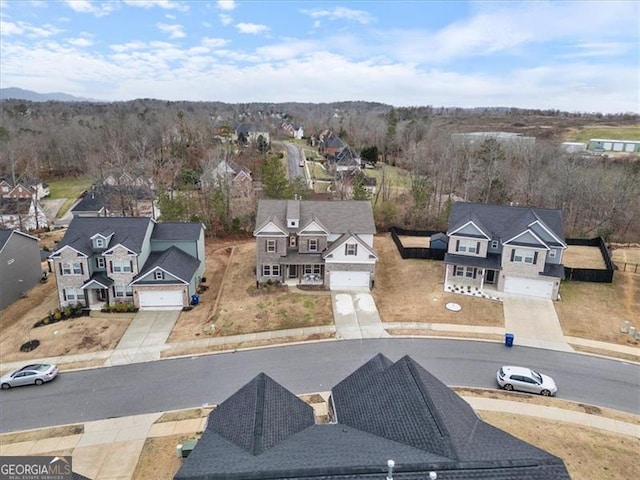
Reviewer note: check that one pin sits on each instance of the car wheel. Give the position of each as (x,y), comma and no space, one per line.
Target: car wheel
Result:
(545,393)
(38,381)
(508,386)
(6,386)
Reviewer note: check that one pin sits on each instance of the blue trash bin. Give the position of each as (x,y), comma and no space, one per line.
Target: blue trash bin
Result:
(195,298)
(508,339)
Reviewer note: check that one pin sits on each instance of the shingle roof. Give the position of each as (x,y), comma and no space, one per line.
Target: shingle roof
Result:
(15,206)
(385,411)
(128,231)
(175,261)
(177,231)
(110,197)
(4,236)
(337,216)
(503,221)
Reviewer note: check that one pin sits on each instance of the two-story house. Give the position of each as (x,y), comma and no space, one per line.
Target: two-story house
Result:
(20,266)
(328,243)
(102,260)
(497,250)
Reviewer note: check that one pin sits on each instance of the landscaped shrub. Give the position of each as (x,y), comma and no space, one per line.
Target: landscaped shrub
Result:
(120,308)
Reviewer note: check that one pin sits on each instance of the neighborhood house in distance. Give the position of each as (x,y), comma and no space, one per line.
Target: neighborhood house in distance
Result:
(105,260)
(20,267)
(497,249)
(383,411)
(325,243)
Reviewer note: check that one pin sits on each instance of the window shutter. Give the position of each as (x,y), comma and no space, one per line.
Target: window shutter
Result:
(457,245)
(477,249)
(513,254)
(455,268)
(60,266)
(535,257)
(64,294)
(81,268)
(110,266)
(131,265)
(475,272)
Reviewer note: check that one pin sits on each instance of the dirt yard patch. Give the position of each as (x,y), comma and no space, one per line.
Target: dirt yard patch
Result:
(412,291)
(580,256)
(626,258)
(414,242)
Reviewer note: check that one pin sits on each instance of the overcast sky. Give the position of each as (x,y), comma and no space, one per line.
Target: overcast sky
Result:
(568,55)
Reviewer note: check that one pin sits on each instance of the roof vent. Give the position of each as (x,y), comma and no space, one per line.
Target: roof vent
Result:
(390,464)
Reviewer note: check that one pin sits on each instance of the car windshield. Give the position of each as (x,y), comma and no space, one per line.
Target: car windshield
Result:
(536,376)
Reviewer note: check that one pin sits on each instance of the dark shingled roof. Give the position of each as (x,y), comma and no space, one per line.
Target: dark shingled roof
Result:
(384,411)
(4,236)
(128,231)
(174,260)
(177,231)
(15,206)
(336,216)
(504,222)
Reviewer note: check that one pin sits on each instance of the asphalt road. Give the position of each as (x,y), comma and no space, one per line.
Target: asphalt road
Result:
(188,382)
(294,158)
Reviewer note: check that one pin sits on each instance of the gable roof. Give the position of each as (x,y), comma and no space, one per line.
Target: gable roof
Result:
(505,222)
(384,410)
(177,231)
(172,260)
(337,216)
(127,231)
(110,197)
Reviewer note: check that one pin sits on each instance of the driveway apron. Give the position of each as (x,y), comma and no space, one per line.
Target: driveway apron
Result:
(356,316)
(534,323)
(143,340)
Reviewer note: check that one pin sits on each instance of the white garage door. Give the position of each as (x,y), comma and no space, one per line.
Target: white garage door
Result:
(525,286)
(349,280)
(164,299)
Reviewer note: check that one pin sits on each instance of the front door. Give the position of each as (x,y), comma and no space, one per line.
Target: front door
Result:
(491,276)
(102,295)
(293,271)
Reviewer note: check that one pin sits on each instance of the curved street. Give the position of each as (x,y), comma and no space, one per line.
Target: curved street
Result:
(312,367)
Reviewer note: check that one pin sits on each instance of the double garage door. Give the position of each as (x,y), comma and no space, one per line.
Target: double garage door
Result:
(349,280)
(526,286)
(160,299)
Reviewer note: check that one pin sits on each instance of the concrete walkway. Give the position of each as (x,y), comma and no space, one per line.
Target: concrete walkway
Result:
(148,330)
(110,449)
(356,316)
(534,323)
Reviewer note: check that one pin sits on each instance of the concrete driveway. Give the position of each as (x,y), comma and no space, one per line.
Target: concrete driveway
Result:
(148,331)
(356,316)
(534,323)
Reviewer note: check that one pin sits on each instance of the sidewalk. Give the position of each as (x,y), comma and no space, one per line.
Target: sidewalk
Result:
(110,449)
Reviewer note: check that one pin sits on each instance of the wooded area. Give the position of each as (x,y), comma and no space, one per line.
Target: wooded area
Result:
(172,144)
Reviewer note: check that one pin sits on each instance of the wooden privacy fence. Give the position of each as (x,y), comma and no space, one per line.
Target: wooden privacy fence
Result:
(416,252)
(597,275)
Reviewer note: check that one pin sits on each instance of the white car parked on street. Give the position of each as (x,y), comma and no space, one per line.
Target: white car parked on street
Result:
(526,380)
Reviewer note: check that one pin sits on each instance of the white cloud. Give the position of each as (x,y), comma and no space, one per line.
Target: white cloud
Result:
(227,5)
(166,4)
(174,31)
(80,42)
(213,42)
(342,13)
(86,6)
(251,28)
(10,28)
(31,31)
(600,49)
(225,19)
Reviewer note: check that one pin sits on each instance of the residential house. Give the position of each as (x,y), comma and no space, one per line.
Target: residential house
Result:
(116,200)
(104,260)
(20,267)
(295,131)
(26,188)
(315,243)
(22,213)
(498,249)
(250,133)
(236,181)
(330,144)
(383,411)
(344,160)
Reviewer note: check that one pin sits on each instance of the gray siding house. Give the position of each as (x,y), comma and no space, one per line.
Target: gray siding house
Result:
(102,260)
(20,267)
(496,249)
(316,243)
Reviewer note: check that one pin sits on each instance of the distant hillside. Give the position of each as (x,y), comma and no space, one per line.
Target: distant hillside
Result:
(31,96)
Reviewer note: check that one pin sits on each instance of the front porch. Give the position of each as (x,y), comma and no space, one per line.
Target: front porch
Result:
(472,280)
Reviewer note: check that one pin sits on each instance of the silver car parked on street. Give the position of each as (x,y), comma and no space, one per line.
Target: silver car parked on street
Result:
(35,374)
(526,380)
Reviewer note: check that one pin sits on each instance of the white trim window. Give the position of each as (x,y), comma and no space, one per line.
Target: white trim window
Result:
(101,262)
(524,255)
(271,270)
(494,244)
(158,275)
(312,269)
(71,268)
(553,253)
(122,290)
(121,266)
(74,295)
(98,242)
(351,249)
(271,245)
(467,246)
(313,244)
(465,272)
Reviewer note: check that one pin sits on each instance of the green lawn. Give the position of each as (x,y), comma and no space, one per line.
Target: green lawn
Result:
(316,171)
(69,187)
(396,176)
(622,132)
